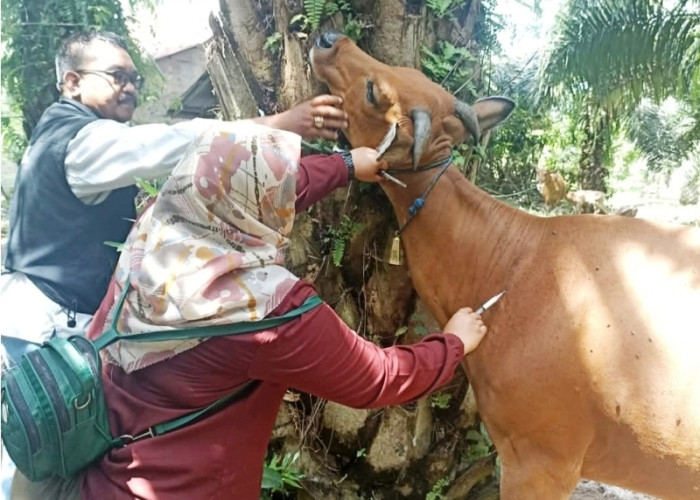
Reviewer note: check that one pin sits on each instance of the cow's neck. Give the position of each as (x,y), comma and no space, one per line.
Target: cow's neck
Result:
(461,244)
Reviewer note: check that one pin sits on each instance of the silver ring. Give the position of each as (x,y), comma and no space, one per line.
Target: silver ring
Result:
(318,121)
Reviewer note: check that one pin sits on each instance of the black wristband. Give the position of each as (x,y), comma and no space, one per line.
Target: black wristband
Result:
(347,158)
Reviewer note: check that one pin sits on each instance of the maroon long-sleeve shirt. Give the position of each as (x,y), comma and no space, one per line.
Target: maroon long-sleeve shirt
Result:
(221,456)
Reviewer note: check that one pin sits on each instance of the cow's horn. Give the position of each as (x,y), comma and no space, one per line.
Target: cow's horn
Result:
(421,133)
(468,116)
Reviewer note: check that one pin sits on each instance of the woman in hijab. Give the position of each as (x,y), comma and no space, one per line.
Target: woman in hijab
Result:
(210,251)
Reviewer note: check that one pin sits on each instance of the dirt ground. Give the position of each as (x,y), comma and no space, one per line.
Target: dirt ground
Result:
(590,490)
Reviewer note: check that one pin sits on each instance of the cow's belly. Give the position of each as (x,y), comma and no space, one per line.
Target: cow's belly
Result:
(641,351)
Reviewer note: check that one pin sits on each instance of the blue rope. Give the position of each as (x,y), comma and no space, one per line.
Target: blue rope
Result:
(419,202)
(415,206)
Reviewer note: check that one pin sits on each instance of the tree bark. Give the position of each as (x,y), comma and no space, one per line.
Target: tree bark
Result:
(400,23)
(249,35)
(400,452)
(295,77)
(228,78)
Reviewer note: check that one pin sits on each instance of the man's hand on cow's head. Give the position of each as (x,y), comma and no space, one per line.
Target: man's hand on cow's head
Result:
(320,117)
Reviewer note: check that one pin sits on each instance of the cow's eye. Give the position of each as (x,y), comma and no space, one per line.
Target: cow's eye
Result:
(370,92)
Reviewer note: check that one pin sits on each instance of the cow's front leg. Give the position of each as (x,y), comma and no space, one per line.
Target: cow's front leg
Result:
(538,478)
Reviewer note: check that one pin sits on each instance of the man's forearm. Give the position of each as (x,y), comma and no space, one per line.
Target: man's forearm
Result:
(107,155)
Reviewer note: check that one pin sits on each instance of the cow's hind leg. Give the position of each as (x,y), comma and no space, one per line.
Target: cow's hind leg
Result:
(537,480)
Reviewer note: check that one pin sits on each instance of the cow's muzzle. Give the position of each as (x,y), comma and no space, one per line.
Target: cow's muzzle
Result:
(327,40)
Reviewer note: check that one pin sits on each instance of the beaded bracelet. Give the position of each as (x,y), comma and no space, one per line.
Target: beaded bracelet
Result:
(347,158)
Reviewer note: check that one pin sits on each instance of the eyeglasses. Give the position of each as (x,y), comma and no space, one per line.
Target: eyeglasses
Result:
(119,77)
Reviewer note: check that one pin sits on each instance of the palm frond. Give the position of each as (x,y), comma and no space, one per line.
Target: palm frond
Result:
(616,51)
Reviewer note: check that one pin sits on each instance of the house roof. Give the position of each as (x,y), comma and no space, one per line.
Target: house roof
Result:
(182,25)
(171,47)
(198,100)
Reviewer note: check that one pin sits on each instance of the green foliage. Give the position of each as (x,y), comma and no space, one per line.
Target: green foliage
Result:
(451,67)
(338,238)
(314,10)
(441,8)
(279,475)
(176,105)
(342,6)
(480,444)
(115,244)
(421,330)
(361,453)
(14,140)
(418,321)
(690,192)
(355,28)
(273,43)
(605,56)
(32,31)
(490,24)
(436,492)
(300,22)
(320,145)
(663,135)
(516,148)
(400,331)
(618,52)
(440,400)
(150,189)
(147,191)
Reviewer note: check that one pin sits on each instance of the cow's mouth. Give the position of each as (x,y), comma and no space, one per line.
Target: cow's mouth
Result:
(327,39)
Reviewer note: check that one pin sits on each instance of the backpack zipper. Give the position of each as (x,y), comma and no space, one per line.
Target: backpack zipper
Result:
(73,379)
(83,346)
(43,372)
(26,419)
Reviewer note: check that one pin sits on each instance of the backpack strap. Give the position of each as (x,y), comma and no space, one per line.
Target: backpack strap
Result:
(239,394)
(112,334)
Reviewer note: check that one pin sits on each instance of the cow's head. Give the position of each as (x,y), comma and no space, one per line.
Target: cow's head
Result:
(376,96)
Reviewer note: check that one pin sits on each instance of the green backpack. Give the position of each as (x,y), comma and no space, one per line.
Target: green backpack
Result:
(54,416)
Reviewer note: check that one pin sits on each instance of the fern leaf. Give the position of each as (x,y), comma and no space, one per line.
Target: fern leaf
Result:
(338,251)
(314,12)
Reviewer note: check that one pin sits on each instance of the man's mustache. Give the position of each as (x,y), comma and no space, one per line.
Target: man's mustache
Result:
(128,99)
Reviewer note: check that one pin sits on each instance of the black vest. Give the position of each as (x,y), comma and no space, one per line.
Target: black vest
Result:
(55,239)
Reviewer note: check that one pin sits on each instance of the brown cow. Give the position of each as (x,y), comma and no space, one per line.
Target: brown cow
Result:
(591,367)
(551,186)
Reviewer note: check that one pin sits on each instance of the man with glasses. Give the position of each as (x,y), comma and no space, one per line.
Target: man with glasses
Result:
(76,184)
(75,188)
(118,77)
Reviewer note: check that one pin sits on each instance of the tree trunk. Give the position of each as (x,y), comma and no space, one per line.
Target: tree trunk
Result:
(399,452)
(228,76)
(594,172)
(400,23)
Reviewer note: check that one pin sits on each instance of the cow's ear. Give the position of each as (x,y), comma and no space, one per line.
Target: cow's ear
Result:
(492,110)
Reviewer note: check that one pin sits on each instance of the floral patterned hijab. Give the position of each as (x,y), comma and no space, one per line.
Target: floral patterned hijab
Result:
(210,249)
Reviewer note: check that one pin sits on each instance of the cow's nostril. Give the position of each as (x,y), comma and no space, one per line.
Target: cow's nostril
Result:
(327,40)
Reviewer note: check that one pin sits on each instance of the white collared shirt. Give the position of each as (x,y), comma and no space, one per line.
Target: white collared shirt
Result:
(107,155)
